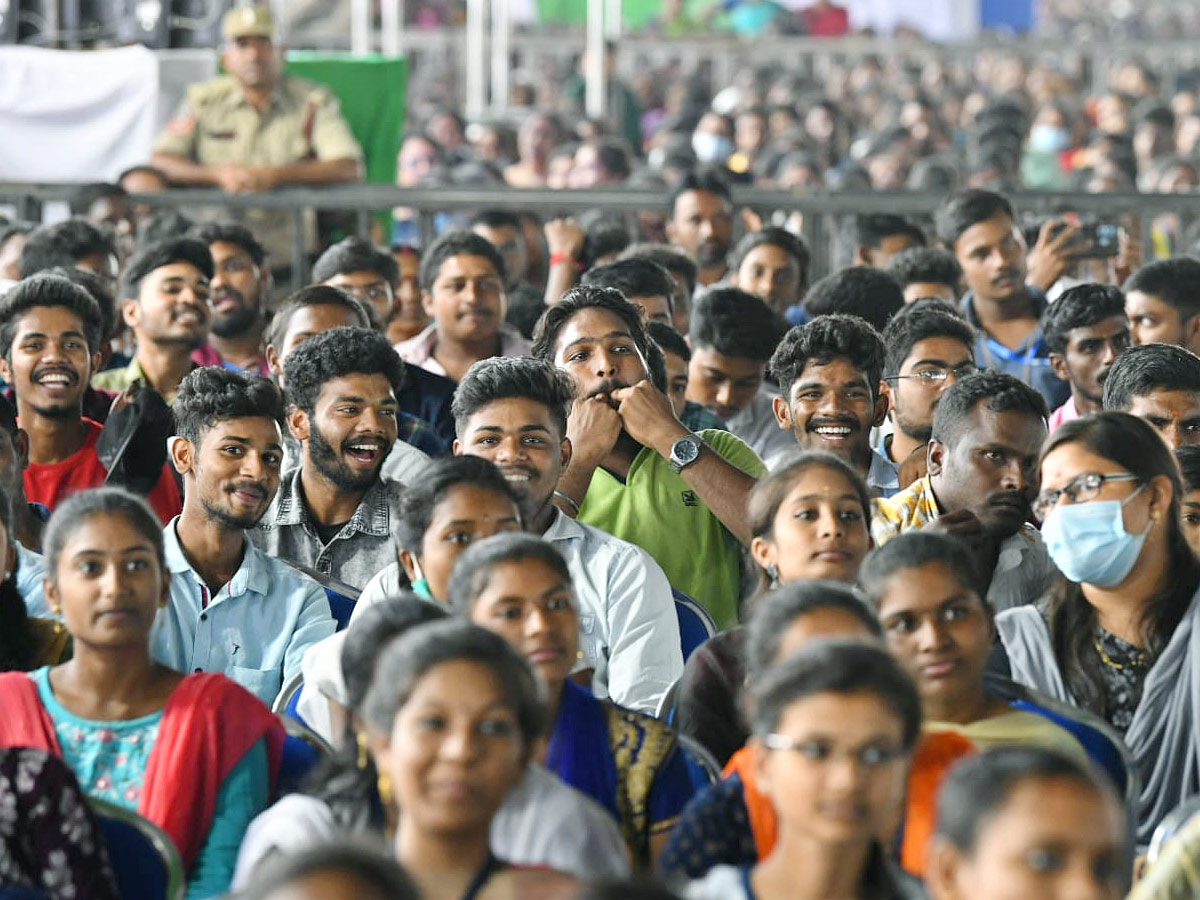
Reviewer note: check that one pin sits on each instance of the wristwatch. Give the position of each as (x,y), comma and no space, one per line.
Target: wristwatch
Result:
(684,452)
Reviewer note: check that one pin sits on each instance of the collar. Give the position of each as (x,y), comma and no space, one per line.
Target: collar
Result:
(372,516)
(967,305)
(1033,346)
(237,96)
(251,576)
(883,473)
(563,528)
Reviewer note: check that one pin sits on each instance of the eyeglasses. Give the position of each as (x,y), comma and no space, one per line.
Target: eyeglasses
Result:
(938,374)
(873,756)
(1080,489)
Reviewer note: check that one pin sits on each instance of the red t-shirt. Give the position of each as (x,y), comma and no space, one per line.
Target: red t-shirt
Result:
(52,483)
(830,21)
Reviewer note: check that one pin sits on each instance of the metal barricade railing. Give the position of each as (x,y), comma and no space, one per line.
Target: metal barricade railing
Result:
(822,213)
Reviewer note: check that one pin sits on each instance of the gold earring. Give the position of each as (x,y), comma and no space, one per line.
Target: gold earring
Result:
(384,785)
(56,611)
(362,751)
(578,654)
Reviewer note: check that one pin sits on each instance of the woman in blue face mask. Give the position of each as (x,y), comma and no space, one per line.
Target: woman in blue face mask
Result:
(1119,634)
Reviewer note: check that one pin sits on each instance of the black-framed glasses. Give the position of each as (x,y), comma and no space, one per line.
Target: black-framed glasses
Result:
(938,374)
(1079,489)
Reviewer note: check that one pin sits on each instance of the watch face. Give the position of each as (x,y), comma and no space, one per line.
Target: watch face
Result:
(686,451)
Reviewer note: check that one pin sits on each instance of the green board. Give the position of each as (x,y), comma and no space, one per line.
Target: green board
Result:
(373,91)
(634,13)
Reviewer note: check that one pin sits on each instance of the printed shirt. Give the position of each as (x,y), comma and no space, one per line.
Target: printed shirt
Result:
(255,629)
(1023,570)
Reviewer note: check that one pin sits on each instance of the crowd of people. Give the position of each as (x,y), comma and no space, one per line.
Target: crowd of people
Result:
(590,560)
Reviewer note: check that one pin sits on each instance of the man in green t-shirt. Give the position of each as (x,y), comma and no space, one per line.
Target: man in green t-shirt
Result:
(637,472)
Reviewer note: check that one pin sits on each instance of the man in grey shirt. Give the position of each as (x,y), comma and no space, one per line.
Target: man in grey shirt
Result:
(334,514)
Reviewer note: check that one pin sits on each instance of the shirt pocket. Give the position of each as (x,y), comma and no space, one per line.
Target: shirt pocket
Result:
(589,642)
(262,683)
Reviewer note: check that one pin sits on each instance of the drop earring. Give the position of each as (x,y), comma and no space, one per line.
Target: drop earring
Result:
(773,574)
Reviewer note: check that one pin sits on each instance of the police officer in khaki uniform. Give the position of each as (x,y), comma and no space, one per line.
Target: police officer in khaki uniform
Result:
(256,129)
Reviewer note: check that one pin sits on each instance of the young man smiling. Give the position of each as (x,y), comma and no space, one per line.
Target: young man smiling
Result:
(982,460)
(462,288)
(1086,330)
(334,513)
(829,373)
(165,294)
(514,413)
(636,471)
(49,343)
(232,608)
(239,289)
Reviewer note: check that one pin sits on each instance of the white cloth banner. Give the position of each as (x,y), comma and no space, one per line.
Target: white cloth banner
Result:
(75,116)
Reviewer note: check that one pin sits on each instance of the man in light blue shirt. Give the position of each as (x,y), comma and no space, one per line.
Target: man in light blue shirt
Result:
(232,608)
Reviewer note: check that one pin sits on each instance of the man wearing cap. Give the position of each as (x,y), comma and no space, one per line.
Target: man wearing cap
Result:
(256,129)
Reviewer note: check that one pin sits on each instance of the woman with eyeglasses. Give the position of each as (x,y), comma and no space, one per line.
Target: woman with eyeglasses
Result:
(1119,634)
(834,730)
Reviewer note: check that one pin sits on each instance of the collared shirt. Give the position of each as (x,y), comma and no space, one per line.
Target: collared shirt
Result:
(255,629)
(119,379)
(629,633)
(31,568)
(1030,362)
(216,125)
(756,425)
(1068,412)
(1023,570)
(420,348)
(360,549)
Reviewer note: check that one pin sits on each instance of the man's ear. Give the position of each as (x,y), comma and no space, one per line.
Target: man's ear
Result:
(935,456)
(783,413)
(883,403)
(456,448)
(183,455)
(1058,363)
(862,256)
(567,450)
(274,363)
(298,424)
(131,312)
(1191,333)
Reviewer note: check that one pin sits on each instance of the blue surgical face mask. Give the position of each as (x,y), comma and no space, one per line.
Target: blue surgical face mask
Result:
(1049,139)
(711,148)
(1089,544)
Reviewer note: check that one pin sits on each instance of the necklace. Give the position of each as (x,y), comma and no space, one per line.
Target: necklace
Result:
(1137,660)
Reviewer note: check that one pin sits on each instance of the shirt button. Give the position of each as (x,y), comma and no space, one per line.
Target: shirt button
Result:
(203,617)
(198,671)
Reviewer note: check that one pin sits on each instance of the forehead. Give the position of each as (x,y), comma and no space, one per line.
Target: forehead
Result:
(513,412)
(358,277)
(1141,302)
(837,370)
(1160,401)
(941,348)
(320,317)
(1103,330)
(734,366)
(771,256)
(48,320)
(921,586)
(592,324)
(703,203)
(1072,810)
(819,479)
(356,384)
(1020,431)
(104,531)
(258,429)
(184,270)
(468,502)
(528,575)
(1068,460)
(982,234)
(223,250)
(464,265)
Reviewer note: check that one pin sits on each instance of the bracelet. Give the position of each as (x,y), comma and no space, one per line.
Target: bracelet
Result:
(560,258)
(567,500)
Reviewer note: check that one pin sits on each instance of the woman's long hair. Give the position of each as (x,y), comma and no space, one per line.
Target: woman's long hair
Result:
(1134,445)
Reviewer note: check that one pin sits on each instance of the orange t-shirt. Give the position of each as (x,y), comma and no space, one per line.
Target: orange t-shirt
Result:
(51,483)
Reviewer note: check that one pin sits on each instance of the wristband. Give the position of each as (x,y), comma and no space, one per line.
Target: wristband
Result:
(557,259)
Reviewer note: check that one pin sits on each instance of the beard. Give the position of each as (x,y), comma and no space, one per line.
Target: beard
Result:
(710,254)
(71,410)
(226,519)
(329,463)
(921,433)
(235,323)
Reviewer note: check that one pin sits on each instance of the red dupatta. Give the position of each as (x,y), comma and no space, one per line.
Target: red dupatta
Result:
(208,725)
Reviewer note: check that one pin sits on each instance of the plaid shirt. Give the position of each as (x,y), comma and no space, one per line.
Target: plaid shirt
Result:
(362,547)
(1024,570)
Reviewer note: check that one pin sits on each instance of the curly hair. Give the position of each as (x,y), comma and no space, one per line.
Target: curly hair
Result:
(823,340)
(211,394)
(335,354)
(52,291)
(502,377)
